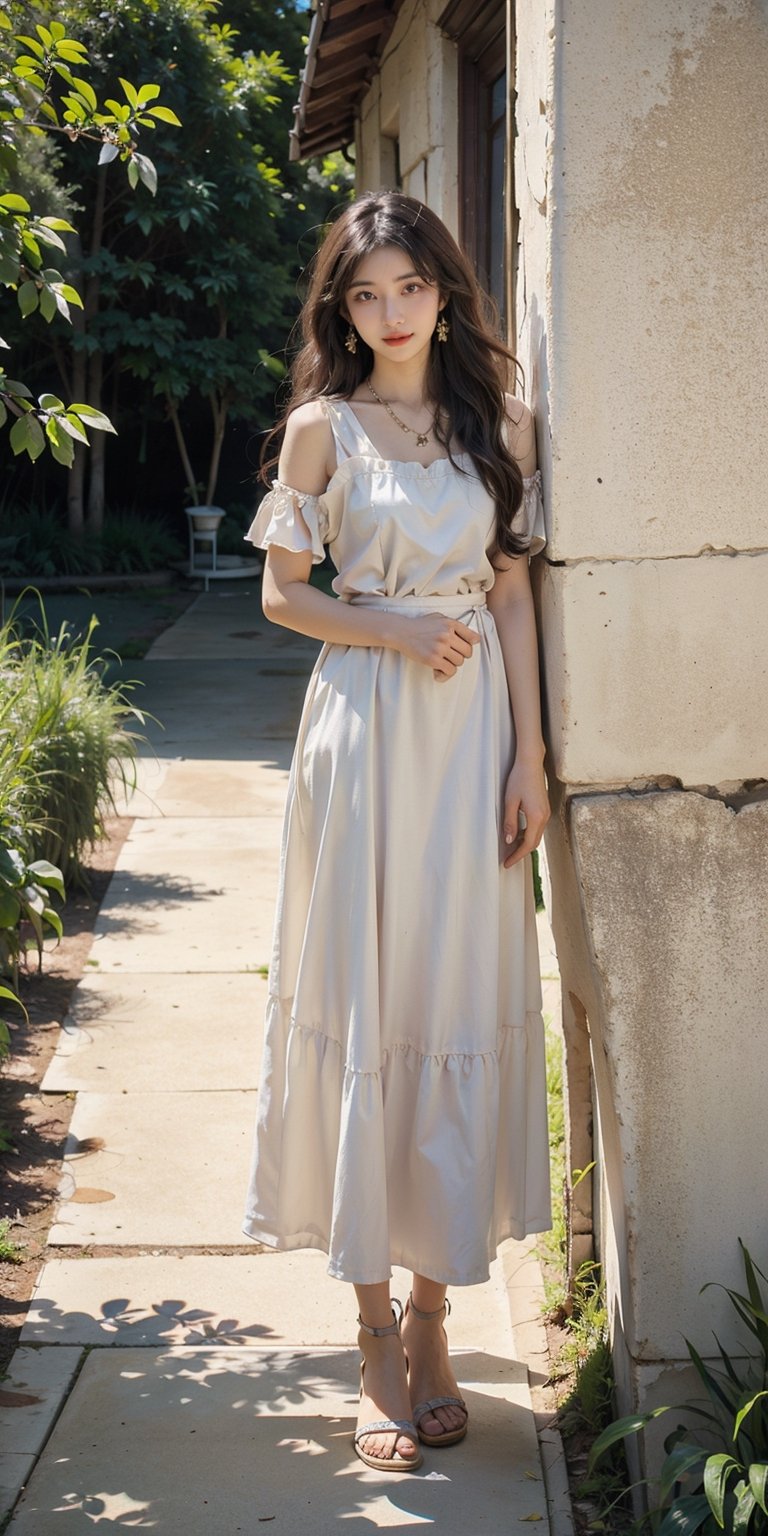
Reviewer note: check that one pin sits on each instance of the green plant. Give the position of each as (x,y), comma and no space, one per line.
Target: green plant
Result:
(75,725)
(24,887)
(10,1252)
(34,65)
(716,1480)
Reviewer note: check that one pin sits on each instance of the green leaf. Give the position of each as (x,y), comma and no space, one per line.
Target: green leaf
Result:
(51,403)
(73,427)
(743,1512)
(48,305)
(35,442)
(11,997)
(32,44)
(11,866)
(93,418)
(758,1482)
(681,1460)
(28,298)
(70,294)
(87,92)
(165,115)
(51,917)
(9,270)
(131,92)
(147,93)
(133,172)
(716,1474)
(745,1410)
(47,874)
(3,414)
(61,224)
(108,153)
(686,1516)
(62,446)
(619,1430)
(710,1381)
(14,203)
(147,172)
(9,910)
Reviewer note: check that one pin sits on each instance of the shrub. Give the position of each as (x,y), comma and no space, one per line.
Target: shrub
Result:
(75,744)
(715,1476)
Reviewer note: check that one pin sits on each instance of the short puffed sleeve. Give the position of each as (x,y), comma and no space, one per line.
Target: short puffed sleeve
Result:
(528,521)
(293,519)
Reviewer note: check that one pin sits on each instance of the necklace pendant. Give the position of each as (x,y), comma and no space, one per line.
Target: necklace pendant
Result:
(422,438)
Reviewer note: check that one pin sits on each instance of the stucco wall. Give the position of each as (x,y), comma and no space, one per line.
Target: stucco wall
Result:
(414,99)
(642,179)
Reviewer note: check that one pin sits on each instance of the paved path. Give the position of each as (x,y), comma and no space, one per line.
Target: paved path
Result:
(171,1376)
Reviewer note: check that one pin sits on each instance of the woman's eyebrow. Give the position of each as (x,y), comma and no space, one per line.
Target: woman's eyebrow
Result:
(368,284)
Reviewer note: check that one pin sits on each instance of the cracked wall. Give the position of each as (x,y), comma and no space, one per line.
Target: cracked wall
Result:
(642,176)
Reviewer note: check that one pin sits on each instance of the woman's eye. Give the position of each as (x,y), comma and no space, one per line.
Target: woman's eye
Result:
(412,287)
(365,294)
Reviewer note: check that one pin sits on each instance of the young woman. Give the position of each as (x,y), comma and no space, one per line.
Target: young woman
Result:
(402,1113)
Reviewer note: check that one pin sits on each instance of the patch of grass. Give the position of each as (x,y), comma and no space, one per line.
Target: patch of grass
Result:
(10,1252)
(552,1247)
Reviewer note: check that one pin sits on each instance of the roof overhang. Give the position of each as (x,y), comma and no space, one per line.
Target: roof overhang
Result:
(346,38)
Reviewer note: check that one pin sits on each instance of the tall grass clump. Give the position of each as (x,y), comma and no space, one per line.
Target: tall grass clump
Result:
(70,728)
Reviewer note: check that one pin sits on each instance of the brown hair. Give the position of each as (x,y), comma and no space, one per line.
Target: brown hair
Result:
(467,375)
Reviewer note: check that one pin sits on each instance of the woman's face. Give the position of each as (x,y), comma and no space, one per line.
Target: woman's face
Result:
(391,307)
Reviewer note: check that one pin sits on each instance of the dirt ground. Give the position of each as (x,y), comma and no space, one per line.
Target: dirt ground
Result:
(34,1125)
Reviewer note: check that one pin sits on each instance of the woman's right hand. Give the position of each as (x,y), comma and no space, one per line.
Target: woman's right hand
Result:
(437,642)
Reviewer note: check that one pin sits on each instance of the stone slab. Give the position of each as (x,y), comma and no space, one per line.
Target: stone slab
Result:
(31,1394)
(191,1441)
(15,1472)
(191,895)
(152,1033)
(193,1299)
(166,1168)
(673,896)
(647,674)
(213,708)
(207,787)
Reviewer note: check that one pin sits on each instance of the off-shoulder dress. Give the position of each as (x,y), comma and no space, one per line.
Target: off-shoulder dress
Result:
(402,1103)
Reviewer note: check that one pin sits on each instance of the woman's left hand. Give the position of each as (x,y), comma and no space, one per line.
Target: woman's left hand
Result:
(525,796)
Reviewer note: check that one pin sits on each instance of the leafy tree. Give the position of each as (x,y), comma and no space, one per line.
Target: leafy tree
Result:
(36,67)
(189,294)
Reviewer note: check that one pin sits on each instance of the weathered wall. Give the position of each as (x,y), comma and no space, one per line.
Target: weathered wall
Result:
(642,180)
(414,100)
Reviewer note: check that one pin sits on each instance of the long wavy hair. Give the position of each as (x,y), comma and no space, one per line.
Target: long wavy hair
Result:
(467,375)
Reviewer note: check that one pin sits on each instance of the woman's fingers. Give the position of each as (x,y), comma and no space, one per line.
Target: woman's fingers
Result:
(530,831)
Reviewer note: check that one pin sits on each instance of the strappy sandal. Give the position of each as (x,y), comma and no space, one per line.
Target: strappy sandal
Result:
(423,1410)
(394,1463)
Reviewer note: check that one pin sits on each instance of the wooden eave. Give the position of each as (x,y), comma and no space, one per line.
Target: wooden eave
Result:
(346,40)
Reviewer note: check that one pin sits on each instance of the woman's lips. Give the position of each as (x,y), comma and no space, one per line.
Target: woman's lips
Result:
(396,341)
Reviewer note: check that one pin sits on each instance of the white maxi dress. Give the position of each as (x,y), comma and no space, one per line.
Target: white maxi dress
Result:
(402,1104)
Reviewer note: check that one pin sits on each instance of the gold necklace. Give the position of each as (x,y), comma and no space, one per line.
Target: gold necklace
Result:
(422,438)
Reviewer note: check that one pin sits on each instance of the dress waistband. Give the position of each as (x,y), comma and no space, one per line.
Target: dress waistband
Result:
(452,604)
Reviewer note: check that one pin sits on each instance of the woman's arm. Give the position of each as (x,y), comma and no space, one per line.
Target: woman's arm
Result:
(511,604)
(306,465)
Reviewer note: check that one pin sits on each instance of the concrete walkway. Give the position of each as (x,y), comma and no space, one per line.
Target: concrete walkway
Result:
(171,1376)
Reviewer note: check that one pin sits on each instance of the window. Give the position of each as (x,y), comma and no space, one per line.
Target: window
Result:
(487,212)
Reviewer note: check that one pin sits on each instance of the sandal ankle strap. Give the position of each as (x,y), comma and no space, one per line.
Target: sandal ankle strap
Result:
(427,1317)
(380,1333)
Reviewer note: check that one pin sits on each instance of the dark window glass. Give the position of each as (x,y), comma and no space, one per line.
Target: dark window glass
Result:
(497,193)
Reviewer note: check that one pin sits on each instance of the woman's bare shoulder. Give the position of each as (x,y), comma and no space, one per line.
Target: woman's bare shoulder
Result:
(307,456)
(522,433)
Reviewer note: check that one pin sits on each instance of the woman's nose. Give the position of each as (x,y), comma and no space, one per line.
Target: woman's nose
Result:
(393,311)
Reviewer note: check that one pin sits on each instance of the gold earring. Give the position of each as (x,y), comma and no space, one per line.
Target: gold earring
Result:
(442,329)
(351,341)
